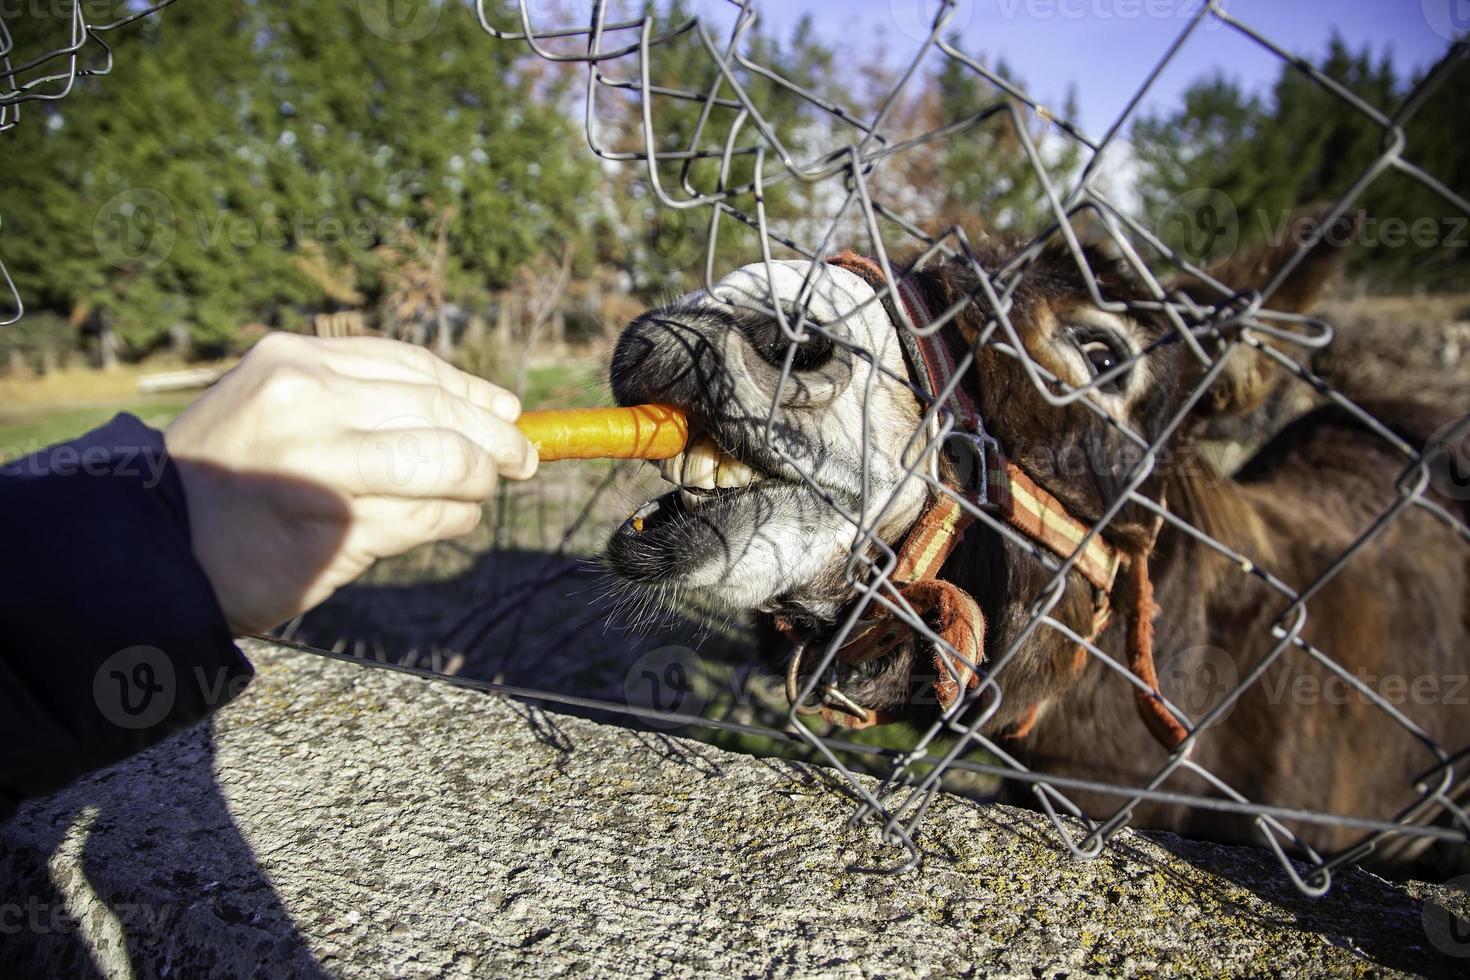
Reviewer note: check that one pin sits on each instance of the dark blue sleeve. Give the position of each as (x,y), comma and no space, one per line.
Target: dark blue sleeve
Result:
(111,637)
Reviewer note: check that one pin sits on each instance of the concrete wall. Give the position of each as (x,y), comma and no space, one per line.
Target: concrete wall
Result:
(342,821)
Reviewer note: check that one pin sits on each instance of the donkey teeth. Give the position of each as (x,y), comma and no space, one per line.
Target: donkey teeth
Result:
(700,462)
(670,469)
(733,473)
(705,466)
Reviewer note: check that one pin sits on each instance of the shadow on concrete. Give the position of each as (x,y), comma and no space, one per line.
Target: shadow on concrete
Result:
(525,618)
(529,619)
(172,863)
(515,595)
(1361,910)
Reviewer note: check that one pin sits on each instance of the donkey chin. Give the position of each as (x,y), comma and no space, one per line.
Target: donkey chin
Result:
(784,461)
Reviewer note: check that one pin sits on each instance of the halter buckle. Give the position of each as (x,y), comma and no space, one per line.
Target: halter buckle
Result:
(979,466)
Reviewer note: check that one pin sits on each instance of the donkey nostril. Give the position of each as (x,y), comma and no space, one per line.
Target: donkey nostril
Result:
(773,345)
(811,354)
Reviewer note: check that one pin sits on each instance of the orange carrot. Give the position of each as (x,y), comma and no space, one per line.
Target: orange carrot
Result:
(638,432)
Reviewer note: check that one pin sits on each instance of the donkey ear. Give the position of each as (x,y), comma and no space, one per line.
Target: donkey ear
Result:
(1250,376)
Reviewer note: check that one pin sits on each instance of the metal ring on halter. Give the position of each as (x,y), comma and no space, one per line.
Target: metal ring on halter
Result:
(793,681)
(937,448)
(840,701)
(832,695)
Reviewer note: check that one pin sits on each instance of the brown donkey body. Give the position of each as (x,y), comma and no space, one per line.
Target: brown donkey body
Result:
(1394,620)
(1369,680)
(1344,721)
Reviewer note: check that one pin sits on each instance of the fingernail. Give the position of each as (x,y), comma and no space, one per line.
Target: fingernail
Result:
(507,406)
(513,454)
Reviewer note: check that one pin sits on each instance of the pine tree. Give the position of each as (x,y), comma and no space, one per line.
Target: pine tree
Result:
(1267,158)
(102,191)
(246,159)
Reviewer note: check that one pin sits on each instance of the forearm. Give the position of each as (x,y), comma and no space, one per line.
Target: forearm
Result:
(111,637)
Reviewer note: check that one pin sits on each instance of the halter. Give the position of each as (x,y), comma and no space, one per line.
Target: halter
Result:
(999,487)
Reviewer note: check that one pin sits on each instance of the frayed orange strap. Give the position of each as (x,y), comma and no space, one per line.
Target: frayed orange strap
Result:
(1164,726)
(950,611)
(955,618)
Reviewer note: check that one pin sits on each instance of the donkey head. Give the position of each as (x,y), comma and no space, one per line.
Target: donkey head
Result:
(758,519)
(809,427)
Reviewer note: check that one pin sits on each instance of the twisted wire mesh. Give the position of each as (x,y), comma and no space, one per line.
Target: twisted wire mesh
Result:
(846,181)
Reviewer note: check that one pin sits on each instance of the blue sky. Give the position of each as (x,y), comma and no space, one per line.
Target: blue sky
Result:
(1108,46)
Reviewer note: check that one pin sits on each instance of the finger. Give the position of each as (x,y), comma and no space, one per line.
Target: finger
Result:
(409,463)
(386,526)
(381,359)
(406,405)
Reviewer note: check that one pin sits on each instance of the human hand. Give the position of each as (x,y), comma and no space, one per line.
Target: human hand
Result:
(313,458)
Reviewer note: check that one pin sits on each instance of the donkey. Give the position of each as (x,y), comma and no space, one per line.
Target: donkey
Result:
(765,523)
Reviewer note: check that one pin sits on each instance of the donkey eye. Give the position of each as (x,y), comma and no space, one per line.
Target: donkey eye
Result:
(1103,352)
(1100,355)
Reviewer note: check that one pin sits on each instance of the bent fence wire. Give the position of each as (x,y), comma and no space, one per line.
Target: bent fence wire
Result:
(47,77)
(733,133)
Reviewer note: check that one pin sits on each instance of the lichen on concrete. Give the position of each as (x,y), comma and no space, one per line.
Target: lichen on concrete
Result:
(342,821)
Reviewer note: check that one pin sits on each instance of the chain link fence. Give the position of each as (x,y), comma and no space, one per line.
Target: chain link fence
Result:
(727,162)
(1217,322)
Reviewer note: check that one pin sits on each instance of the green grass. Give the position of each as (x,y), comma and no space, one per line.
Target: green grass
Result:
(578,384)
(25,430)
